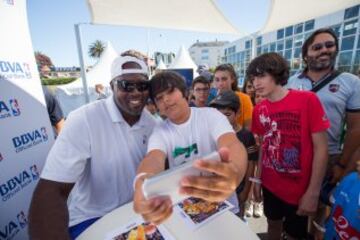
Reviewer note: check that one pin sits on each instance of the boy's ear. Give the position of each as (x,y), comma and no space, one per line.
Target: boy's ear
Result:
(112,85)
(187,94)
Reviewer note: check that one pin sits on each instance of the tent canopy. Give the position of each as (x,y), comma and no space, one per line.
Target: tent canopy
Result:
(71,96)
(199,15)
(161,65)
(284,13)
(99,74)
(183,60)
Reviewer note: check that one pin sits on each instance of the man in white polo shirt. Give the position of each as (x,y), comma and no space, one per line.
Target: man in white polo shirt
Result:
(95,157)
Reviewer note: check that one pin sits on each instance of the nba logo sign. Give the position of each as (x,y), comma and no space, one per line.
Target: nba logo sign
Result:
(21,217)
(44,133)
(14,105)
(34,172)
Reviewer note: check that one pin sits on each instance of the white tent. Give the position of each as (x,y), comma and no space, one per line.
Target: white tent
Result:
(183,60)
(199,15)
(71,96)
(283,13)
(161,65)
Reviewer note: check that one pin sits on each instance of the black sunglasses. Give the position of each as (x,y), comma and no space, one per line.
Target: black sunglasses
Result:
(318,46)
(128,86)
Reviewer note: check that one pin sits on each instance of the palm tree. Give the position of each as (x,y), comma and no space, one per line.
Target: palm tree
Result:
(96,49)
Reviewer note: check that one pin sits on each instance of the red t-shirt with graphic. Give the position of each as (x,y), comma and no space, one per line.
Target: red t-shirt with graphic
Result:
(287,149)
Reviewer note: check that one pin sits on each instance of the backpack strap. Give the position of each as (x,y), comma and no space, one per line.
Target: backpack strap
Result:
(325,81)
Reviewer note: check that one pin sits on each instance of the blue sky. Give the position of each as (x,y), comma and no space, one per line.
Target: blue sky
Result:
(51,26)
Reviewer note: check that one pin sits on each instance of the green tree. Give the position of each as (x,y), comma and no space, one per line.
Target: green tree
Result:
(96,49)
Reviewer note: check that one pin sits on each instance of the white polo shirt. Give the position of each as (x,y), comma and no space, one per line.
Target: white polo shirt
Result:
(100,152)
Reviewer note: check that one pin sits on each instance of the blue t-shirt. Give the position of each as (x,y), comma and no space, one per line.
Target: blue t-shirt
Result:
(344,221)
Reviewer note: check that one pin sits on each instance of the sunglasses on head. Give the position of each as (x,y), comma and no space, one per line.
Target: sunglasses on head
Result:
(128,86)
(318,46)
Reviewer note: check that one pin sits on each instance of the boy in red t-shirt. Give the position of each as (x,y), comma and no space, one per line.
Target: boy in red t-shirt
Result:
(292,128)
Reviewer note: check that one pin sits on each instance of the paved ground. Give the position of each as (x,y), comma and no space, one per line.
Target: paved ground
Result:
(258,225)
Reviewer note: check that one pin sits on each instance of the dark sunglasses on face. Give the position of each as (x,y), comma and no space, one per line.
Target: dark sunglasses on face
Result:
(128,86)
(318,46)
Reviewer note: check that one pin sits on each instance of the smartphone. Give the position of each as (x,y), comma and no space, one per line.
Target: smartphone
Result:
(167,183)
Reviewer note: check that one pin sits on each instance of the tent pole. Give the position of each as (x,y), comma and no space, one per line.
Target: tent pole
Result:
(81,60)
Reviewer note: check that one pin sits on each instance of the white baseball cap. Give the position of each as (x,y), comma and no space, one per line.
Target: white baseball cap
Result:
(118,70)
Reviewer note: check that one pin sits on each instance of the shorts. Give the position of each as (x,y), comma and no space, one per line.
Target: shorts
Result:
(276,209)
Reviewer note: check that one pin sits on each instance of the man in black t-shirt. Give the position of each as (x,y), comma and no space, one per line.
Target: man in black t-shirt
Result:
(228,103)
(55,112)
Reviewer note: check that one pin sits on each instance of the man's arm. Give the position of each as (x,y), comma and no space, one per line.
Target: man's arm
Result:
(59,125)
(157,209)
(257,185)
(309,201)
(228,173)
(153,162)
(351,166)
(351,143)
(48,214)
(237,154)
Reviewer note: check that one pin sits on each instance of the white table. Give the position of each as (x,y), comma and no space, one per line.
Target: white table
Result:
(226,226)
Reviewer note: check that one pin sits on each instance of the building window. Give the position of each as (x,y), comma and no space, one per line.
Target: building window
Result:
(309,25)
(298,41)
(350,27)
(299,28)
(204,57)
(345,58)
(258,51)
(248,44)
(288,54)
(258,40)
(336,30)
(307,35)
(297,52)
(280,34)
(289,31)
(351,12)
(280,45)
(358,46)
(204,50)
(288,43)
(357,58)
(265,48)
(347,43)
(272,47)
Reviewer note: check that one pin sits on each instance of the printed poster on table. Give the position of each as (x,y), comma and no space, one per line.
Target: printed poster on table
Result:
(139,230)
(197,212)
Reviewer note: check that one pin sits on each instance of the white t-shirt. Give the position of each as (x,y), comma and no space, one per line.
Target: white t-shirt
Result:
(100,152)
(193,139)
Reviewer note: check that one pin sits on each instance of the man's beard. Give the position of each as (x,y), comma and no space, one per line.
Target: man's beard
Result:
(316,65)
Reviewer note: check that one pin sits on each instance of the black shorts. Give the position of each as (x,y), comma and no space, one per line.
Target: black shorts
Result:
(276,209)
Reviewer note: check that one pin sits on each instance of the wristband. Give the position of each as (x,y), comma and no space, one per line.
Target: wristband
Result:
(340,165)
(255,180)
(137,177)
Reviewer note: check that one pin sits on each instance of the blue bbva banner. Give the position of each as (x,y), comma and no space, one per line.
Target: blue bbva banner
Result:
(26,135)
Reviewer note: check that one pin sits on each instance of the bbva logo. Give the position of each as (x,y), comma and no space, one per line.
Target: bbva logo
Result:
(15,69)
(30,139)
(13,227)
(9,108)
(13,185)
